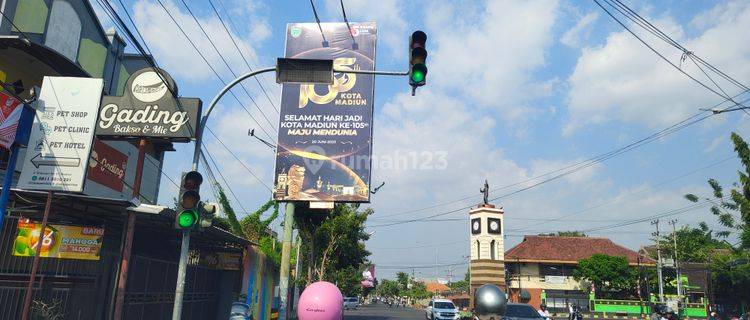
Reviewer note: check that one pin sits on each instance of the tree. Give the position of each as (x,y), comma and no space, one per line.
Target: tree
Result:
(387,288)
(252,227)
(461,285)
(693,244)
(608,274)
(332,242)
(403,280)
(733,213)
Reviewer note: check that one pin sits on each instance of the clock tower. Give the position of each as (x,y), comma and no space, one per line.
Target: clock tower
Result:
(486,234)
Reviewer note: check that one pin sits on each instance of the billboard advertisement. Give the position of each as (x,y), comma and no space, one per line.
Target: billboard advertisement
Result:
(59,241)
(325,131)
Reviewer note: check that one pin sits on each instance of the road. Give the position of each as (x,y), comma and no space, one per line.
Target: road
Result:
(382,312)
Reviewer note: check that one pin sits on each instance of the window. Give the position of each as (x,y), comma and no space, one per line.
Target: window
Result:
(492,250)
(444,305)
(479,253)
(64,30)
(550,270)
(521,311)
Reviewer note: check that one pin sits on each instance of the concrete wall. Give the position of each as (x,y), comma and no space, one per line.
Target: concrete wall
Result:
(261,276)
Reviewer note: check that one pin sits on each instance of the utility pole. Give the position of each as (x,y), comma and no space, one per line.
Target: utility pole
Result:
(286,255)
(450,274)
(676,265)
(658,261)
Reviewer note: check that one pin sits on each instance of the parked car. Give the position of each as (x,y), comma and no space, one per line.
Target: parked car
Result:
(521,311)
(441,309)
(351,303)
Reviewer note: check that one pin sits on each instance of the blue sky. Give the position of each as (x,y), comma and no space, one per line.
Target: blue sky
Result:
(516,89)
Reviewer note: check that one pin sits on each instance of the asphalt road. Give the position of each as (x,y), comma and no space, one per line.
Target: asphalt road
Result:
(382,312)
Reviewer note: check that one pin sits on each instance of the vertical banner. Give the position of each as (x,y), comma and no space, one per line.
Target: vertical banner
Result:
(325,133)
(10,114)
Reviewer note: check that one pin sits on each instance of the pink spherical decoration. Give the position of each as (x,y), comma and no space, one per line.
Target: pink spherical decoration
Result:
(320,301)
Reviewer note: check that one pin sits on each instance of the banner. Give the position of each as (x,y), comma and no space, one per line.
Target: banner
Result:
(107,166)
(59,241)
(10,114)
(325,134)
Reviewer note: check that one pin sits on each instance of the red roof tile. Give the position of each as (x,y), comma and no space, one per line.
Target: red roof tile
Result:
(436,287)
(569,249)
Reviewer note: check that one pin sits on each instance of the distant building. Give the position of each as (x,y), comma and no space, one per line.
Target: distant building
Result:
(547,263)
(436,288)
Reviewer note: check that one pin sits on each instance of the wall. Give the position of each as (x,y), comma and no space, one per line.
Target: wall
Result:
(261,275)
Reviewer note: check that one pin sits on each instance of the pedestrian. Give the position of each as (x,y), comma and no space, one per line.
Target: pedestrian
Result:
(543,312)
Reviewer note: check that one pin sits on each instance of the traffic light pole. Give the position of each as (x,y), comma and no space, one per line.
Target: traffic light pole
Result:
(182,268)
(185,246)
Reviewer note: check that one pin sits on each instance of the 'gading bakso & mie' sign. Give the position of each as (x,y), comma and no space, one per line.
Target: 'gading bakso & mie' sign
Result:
(148,109)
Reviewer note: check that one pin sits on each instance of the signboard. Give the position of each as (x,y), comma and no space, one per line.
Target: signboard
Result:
(107,166)
(148,109)
(62,133)
(555,279)
(59,241)
(10,114)
(325,134)
(221,260)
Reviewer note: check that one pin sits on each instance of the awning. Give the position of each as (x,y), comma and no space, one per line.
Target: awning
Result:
(45,60)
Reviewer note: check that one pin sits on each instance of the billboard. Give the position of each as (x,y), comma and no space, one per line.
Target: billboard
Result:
(59,241)
(325,131)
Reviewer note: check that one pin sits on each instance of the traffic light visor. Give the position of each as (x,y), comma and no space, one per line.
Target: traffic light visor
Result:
(189,199)
(418,73)
(192,180)
(187,218)
(418,55)
(418,38)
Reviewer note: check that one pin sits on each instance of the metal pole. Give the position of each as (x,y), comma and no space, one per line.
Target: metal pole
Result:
(182,267)
(181,271)
(658,261)
(10,168)
(676,265)
(296,274)
(35,263)
(286,255)
(122,280)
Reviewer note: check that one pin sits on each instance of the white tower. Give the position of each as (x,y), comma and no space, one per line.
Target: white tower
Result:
(486,232)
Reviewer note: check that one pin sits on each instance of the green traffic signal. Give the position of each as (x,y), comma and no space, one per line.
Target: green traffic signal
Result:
(187,218)
(418,74)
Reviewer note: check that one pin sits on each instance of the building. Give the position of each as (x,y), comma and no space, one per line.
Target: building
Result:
(486,247)
(544,264)
(41,38)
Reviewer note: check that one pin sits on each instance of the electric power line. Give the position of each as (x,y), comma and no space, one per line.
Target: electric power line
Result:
(238,159)
(242,55)
(211,67)
(221,56)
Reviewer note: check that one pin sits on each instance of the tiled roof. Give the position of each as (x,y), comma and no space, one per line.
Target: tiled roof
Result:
(436,287)
(568,249)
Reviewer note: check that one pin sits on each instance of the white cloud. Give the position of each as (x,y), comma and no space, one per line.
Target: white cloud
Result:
(388,14)
(580,31)
(623,80)
(163,36)
(489,54)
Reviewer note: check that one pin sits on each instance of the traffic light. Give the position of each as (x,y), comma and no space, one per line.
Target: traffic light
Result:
(417,60)
(208,210)
(188,215)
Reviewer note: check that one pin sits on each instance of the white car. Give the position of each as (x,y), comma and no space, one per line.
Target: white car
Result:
(441,309)
(351,303)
